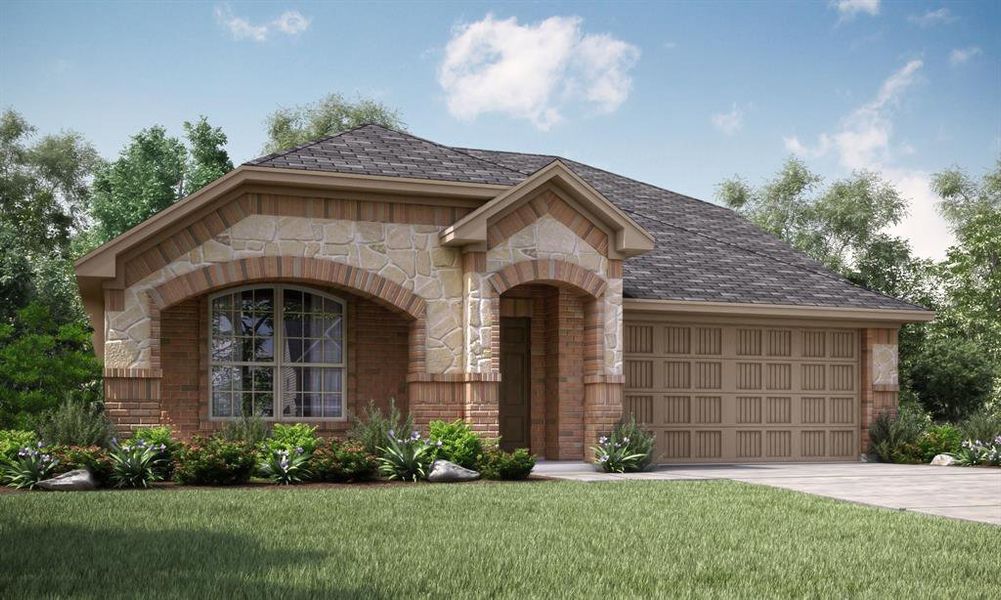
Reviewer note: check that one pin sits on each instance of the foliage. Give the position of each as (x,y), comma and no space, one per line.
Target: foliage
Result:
(42,361)
(290,437)
(161,437)
(30,466)
(286,467)
(134,464)
(249,430)
(93,458)
(342,462)
(976,452)
(894,437)
(495,463)
(289,127)
(951,377)
(983,425)
(215,461)
(208,159)
(405,458)
(12,440)
(938,439)
(77,424)
(373,429)
(963,199)
(458,443)
(627,449)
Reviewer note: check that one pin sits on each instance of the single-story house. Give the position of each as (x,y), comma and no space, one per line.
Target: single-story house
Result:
(535,297)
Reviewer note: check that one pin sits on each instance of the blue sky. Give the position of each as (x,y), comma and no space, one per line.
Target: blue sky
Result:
(681,95)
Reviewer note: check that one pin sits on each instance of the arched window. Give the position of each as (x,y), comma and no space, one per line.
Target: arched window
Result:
(276,352)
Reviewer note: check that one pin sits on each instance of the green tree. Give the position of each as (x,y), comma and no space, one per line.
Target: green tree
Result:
(963,198)
(950,376)
(289,127)
(208,158)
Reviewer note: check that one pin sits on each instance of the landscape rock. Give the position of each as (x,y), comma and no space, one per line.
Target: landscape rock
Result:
(80,479)
(943,460)
(443,471)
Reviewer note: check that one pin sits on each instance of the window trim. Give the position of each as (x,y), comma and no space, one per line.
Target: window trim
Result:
(279,335)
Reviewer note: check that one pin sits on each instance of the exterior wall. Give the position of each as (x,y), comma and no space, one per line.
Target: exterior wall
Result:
(880,387)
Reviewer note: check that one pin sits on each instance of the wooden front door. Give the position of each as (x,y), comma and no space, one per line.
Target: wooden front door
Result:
(514,387)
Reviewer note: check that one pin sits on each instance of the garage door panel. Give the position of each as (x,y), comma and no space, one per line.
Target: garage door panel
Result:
(743,393)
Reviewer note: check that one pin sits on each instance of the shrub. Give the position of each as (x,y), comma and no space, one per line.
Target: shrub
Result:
(342,462)
(494,463)
(983,425)
(976,452)
(373,430)
(894,437)
(951,377)
(251,431)
(160,437)
(133,464)
(458,443)
(215,461)
(407,458)
(76,424)
(939,439)
(290,437)
(93,458)
(627,449)
(285,467)
(28,467)
(12,440)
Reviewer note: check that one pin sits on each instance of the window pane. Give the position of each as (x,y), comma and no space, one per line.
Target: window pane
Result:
(313,329)
(312,392)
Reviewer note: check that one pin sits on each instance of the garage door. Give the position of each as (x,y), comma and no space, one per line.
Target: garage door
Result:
(733,393)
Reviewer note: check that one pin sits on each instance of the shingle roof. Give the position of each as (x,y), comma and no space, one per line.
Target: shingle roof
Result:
(703,252)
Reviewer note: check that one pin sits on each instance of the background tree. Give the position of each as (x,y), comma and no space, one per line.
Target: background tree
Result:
(208,159)
(963,198)
(289,127)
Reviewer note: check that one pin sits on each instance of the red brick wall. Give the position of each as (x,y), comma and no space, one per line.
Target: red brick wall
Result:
(875,399)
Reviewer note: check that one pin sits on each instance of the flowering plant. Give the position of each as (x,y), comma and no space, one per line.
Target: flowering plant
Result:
(286,467)
(975,452)
(31,465)
(626,449)
(136,463)
(408,458)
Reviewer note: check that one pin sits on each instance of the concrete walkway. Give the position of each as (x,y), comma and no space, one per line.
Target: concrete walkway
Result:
(961,493)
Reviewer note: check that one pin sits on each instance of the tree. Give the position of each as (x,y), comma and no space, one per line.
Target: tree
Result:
(951,377)
(289,127)
(963,198)
(208,159)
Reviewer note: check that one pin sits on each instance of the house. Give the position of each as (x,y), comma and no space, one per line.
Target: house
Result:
(535,297)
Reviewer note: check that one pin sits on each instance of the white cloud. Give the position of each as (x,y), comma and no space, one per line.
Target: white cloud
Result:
(290,22)
(730,122)
(962,55)
(792,144)
(849,9)
(534,72)
(932,17)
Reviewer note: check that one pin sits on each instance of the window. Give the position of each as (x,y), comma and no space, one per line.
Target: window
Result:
(276,352)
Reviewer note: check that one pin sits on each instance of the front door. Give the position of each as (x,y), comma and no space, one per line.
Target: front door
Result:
(514,387)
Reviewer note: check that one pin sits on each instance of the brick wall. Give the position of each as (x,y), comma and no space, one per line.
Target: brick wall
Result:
(876,398)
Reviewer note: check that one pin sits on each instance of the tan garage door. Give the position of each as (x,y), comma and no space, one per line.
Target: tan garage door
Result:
(734,393)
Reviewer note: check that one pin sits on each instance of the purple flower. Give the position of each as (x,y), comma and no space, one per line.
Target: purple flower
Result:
(416,435)
(299,450)
(391,434)
(603,440)
(39,443)
(438,444)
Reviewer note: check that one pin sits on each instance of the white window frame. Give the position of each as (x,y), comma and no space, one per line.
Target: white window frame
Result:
(278,341)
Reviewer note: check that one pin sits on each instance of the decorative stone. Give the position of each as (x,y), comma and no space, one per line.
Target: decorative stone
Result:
(452,283)
(79,479)
(295,228)
(443,471)
(338,232)
(371,260)
(943,460)
(213,251)
(255,227)
(399,238)
(370,232)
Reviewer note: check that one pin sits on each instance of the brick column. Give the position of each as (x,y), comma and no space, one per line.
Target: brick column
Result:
(879,385)
(132,398)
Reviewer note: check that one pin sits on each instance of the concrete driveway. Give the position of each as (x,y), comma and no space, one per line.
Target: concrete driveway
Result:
(961,493)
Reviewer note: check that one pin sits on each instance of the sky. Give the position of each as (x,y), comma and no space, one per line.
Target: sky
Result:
(678,94)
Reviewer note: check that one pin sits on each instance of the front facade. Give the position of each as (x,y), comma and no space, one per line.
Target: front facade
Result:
(536,298)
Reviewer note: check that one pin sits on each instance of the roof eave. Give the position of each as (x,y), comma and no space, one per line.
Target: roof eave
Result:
(686,307)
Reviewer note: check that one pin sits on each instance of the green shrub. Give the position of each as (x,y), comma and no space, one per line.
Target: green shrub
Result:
(342,462)
(93,458)
(939,439)
(974,452)
(159,437)
(494,463)
(77,424)
(298,436)
(286,467)
(251,431)
(951,377)
(406,459)
(373,429)
(29,466)
(894,437)
(215,461)
(982,425)
(627,449)
(455,442)
(134,464)
(12,440)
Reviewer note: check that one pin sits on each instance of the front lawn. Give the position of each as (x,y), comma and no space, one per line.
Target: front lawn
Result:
(546,539)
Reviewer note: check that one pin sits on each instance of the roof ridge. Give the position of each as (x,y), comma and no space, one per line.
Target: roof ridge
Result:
(302,146)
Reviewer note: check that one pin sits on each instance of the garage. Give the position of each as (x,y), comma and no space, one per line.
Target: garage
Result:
(723,392)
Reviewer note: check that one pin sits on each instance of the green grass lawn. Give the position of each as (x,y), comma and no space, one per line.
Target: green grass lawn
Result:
(547,539)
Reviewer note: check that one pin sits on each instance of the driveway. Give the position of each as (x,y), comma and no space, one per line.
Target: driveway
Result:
(961,493)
